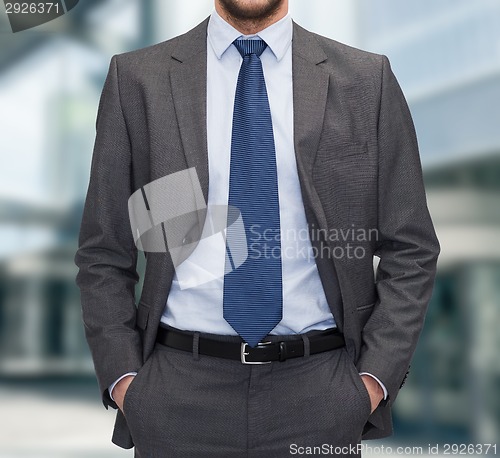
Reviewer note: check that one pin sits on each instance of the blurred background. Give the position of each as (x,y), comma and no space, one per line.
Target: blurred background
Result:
(446,55)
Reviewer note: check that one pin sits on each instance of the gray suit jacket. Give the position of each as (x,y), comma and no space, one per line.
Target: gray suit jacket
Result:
(358,166)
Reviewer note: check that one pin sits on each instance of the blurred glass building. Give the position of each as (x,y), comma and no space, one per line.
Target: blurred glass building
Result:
(446,55)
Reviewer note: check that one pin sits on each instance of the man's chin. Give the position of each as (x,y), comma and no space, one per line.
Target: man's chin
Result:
(251,10)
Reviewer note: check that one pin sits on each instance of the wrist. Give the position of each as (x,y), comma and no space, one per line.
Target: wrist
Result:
(123,383)
(112,386)
(120,390)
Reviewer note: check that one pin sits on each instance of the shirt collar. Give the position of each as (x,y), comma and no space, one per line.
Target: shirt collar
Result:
(278,36)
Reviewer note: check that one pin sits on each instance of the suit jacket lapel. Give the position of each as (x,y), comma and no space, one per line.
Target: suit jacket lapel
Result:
(310,90)
(189,90)
(188,81)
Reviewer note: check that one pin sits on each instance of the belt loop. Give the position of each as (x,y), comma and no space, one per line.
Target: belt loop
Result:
(307,345)
(196,346)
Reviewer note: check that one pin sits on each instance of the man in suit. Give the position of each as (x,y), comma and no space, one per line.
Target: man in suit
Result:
(298,134)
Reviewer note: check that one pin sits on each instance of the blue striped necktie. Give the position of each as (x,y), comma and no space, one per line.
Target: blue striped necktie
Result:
(253,297)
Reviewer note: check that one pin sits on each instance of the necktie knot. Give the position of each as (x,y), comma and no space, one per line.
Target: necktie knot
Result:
(247,47)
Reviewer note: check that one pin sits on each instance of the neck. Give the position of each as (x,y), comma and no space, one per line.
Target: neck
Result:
(251,26)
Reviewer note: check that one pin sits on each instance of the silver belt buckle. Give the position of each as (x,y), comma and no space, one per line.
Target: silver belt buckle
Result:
(244,353)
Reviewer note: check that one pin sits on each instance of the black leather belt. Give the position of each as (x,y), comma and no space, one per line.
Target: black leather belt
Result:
(263,353)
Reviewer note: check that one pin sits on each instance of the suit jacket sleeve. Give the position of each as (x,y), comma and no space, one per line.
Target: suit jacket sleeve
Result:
(107,254)
(407,245)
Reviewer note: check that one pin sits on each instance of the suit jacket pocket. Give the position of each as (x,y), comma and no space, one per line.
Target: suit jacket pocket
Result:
(354,149)
(337,150)
(363,313)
